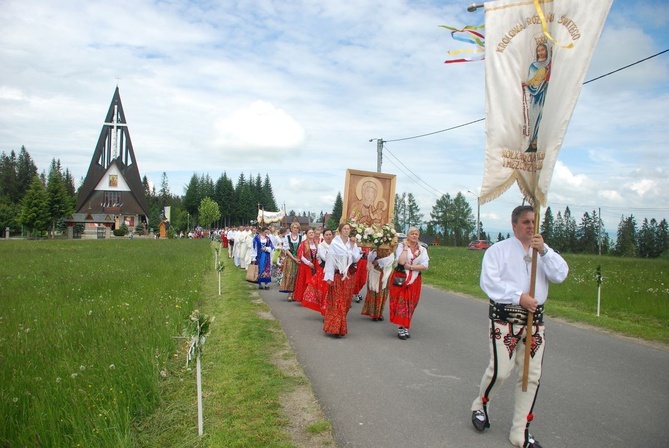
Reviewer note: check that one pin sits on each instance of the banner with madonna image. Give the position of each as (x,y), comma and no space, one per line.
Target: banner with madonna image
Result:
(537,55)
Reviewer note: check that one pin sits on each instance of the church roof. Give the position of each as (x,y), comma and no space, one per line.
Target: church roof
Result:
(113,152)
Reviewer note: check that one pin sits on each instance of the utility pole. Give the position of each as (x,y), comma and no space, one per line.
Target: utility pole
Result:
(379,152)
(478,215)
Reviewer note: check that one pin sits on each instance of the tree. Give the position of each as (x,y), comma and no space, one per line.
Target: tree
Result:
(25,172)
(663,236)
(337,211)
(559,239)
(35,208)
(267,196)
(400,213)
(414,217)
(588,234)
(569,231)
(224,195)
(208,212)
(192,198)
(59,202)
(626,237)
(547,226)
(500,237)
(164,192)
(647,239)
(455,218)
(9,187)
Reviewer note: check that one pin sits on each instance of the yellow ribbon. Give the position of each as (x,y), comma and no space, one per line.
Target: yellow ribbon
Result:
(544,26)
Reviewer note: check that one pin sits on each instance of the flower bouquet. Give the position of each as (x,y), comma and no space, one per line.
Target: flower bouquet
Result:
(376,236)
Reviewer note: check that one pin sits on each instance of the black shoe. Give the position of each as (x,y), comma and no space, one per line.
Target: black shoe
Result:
(406,333)
(531,443)
(358,298)
(480,421)
(379,318)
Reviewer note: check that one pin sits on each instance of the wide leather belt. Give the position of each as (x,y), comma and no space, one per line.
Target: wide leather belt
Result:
(514,314)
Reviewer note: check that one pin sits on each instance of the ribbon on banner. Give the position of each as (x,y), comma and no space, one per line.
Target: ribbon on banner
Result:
(469,34)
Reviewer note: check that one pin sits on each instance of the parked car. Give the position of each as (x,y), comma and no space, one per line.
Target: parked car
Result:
(479,245)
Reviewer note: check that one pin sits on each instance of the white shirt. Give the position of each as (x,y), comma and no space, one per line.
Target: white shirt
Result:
(506,274)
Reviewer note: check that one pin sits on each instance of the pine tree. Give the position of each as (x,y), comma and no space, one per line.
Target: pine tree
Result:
(663,237)
(546,229)
(559,239)
(192,198)
(400,213)
(626,238)
(587,234)
(25,172)
(443,219)
(60,203)
(9,186)
(569,230)
(414,216)
(268,195)
(35,208)
(337,210)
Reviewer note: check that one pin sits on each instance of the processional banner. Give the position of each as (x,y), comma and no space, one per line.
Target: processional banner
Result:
(269,217)
(536,57)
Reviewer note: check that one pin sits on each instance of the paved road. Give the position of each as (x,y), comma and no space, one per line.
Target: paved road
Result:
(597,390)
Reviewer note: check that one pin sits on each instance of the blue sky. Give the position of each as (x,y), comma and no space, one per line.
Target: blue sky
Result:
(296,89)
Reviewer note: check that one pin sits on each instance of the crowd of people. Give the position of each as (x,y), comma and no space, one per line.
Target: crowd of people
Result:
(326,270)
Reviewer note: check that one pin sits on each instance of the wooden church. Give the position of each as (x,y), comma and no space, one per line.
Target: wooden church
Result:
(112,193)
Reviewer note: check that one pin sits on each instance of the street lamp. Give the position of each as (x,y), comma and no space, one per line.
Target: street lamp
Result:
(474,6)
(478,215)
(379,152)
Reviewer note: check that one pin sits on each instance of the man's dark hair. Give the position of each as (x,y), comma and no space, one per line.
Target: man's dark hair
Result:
(519,211)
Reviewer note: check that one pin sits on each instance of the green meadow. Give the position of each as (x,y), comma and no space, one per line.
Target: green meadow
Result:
(634,292)
(93,350)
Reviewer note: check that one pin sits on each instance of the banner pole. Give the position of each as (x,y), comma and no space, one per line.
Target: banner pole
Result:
(530,316)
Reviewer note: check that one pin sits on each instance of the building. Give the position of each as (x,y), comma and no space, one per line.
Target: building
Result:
(112,193)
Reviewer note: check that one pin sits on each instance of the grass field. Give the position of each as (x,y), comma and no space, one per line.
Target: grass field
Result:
(90,353)
(634,295)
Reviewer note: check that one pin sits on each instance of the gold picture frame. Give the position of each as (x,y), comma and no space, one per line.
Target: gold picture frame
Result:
(369,197)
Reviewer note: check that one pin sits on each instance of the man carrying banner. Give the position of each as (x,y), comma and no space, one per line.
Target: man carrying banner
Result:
(525,128)
(505,278)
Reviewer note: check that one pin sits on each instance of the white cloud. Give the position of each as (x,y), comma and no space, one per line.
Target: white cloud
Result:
(259,126)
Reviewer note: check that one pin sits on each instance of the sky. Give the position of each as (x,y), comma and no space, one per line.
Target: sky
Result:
(296,89)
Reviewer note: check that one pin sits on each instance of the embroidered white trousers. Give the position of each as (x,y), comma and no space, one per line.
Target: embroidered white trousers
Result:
(507,349)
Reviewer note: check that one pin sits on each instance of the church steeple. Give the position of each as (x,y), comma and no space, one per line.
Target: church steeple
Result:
(113,184)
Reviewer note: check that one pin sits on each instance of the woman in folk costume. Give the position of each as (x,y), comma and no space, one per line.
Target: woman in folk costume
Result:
(342,254)
(291,262)
(317,289)
(360,275)
(406,282)
(379,269)
(307,254)
(262,256)
(278,236)
(224,238)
